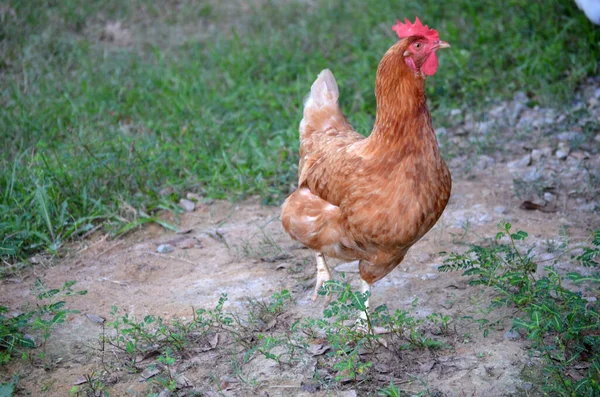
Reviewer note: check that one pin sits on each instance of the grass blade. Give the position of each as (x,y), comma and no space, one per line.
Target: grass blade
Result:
(41,196)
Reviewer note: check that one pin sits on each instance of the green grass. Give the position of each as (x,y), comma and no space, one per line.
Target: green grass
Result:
(207,98)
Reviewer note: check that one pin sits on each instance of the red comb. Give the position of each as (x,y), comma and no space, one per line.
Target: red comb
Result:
(407,29)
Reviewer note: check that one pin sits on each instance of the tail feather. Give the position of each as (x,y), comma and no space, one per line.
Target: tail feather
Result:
(321,110)
(324,91)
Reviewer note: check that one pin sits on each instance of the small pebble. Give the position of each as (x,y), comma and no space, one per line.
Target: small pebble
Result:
(538,154)
(563,151)
(511,335)
(521,163)
(500,210)
(165,248)
(455,112)
(485,162)
(520,96)
(566,136)
(527,386)
(187,205)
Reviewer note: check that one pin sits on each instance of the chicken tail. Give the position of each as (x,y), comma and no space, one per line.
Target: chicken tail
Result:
(321,110)
(324,91)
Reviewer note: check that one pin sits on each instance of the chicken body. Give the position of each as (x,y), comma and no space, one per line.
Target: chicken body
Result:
(370,198)
(591,8)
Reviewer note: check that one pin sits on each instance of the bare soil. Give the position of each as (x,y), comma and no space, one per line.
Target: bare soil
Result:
(240,249)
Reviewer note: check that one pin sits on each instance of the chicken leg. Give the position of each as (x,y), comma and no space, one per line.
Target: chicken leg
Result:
(323,274)
(364,288)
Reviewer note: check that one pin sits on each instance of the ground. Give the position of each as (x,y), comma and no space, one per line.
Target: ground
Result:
(535,167)
(241,250)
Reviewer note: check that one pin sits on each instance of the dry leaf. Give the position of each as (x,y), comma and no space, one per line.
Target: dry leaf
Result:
(270,324)
(142,357)
(530,206)
(188,243)
(317,350)
(185,231)
(80,381)
(214,341)
(148,373)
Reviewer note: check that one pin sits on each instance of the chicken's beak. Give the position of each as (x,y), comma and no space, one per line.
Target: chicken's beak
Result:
(441,44)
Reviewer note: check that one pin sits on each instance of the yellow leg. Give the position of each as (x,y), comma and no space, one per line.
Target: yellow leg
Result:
(365,287)
(323,274)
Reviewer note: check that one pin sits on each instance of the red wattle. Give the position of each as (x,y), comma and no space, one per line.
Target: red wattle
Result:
(431,64)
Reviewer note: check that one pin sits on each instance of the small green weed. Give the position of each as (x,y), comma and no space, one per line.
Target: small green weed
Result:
(442,321)
(560,312)
(390,391)
(93,387)
(348,345)
(168,381)
(153,334)
(349,328)
(16,331)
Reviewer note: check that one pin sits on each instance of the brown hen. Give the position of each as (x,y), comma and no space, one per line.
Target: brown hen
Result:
(371,198)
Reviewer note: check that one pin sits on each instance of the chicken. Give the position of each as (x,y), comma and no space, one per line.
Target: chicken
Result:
(591,8)
(371,198)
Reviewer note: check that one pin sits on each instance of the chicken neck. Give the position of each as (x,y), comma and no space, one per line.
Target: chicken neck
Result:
(401,104)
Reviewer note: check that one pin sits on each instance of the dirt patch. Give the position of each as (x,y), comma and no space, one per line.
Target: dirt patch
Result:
(241,250)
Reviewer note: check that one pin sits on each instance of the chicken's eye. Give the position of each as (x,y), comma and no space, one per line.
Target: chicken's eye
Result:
(418,46)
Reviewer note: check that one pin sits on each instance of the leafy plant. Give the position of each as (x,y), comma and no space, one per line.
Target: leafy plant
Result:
(16,331)
(169,382)
(350,328)
(93,387)
(442,321)
(560,322)
(390,391)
